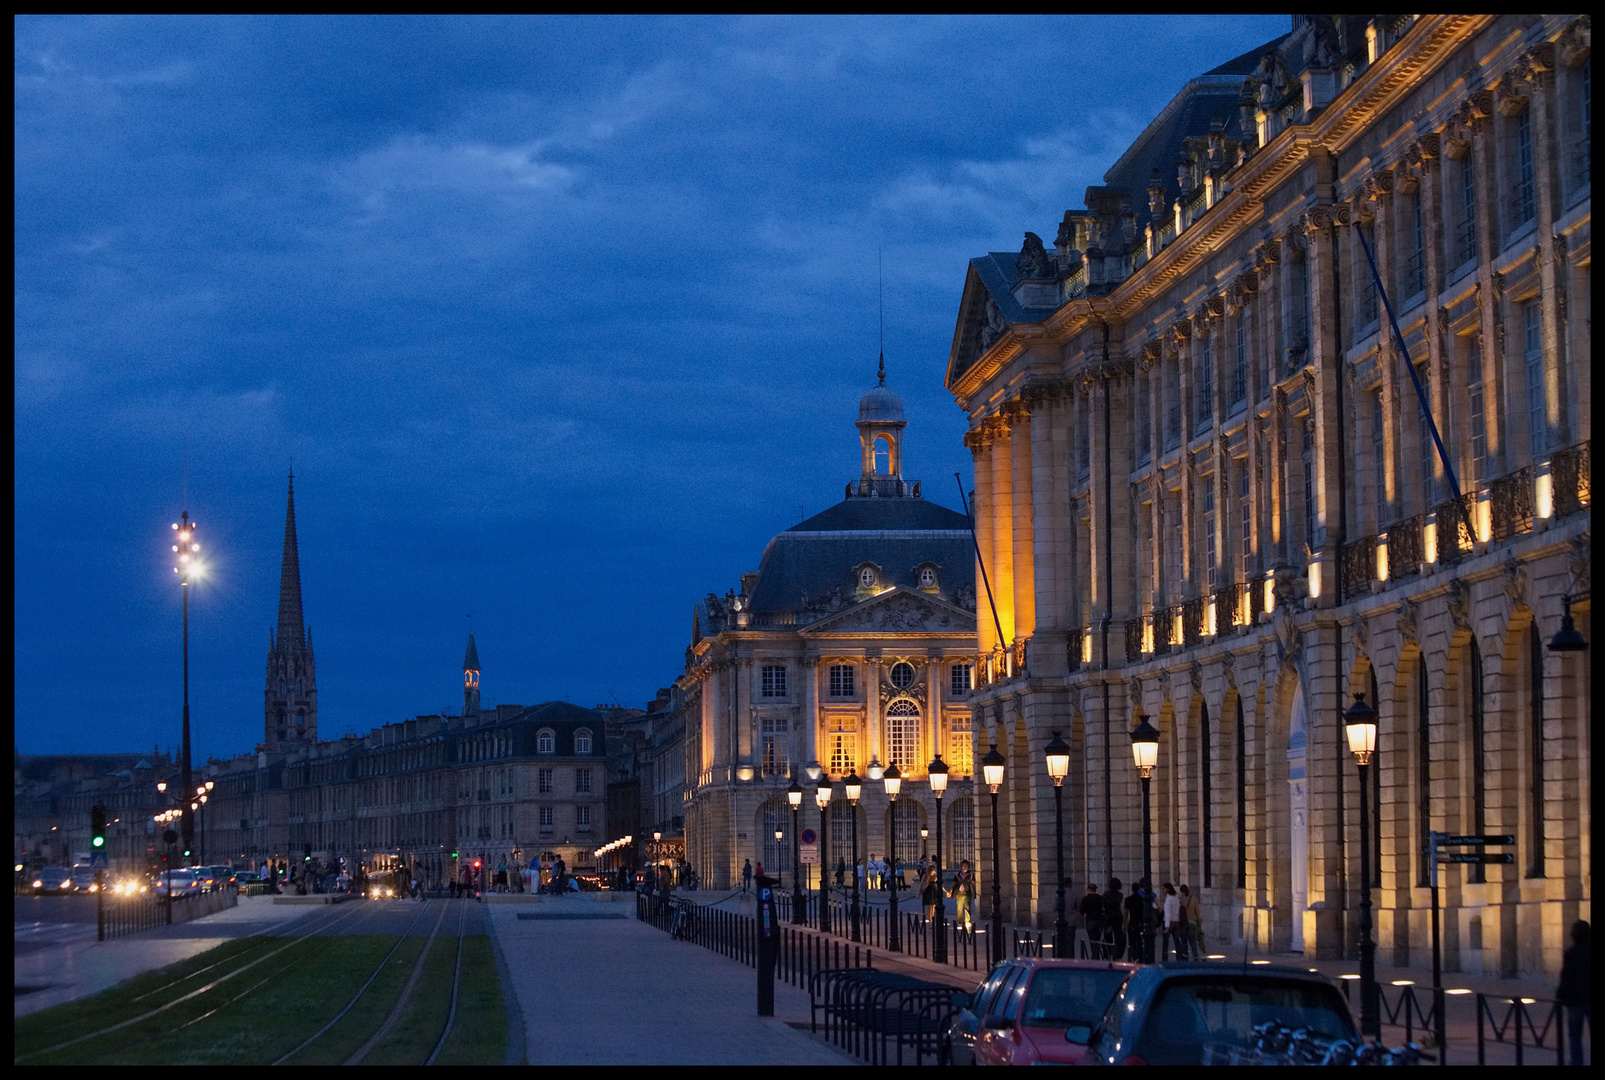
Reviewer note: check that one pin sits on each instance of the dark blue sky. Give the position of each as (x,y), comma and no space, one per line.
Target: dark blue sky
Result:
(558,319)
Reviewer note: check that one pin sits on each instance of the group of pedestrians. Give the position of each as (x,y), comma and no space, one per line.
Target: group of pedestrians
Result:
(1126,926)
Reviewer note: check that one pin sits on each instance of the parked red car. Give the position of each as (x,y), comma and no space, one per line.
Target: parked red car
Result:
(1043,1011)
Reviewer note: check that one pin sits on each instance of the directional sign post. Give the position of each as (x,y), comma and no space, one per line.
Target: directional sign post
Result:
(1436,842)
(1475,857)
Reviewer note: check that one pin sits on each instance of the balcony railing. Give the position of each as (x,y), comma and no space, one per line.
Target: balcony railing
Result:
(1192,620)
(1164,622)
(1406,547)
(1569,473)
(1357,561)
(1133,640)
(1455,535)
(1072,650)
(1510,500)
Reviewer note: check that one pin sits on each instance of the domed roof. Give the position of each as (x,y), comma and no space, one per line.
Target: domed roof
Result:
(880,406)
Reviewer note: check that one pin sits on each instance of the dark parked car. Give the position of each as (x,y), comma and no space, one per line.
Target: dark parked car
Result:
(1029,1012)
(1205,1014)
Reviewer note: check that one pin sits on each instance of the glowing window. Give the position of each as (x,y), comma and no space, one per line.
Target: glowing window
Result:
(903,733)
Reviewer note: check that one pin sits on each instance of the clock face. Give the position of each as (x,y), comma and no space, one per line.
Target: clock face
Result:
(866,577)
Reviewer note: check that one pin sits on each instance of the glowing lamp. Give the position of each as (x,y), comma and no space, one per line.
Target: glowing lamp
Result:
(823,796)
(1058,754)
(794,795)
(936,773)
(876,770)
(1145,746)
(1360,722)
(893,779)
(992,769)
(854,787)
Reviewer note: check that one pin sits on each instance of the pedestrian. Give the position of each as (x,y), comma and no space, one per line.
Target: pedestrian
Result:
(1091,909)
(841,871)
(930,892)
(1114,921)
(863,880)
(898,870)
(963,894)
(1192,917)
(1171,924)
(746,875)
(1573,993)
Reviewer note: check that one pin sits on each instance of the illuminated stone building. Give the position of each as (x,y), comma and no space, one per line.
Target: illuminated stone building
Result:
(852,646)
(1205,491)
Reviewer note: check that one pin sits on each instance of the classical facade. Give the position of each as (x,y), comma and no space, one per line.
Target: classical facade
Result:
(851,647)
(1206,490)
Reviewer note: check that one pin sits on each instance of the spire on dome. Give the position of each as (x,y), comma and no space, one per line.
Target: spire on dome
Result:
(882,372)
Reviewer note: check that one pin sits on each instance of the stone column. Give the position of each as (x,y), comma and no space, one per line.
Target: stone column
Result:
(1326,351)
(808,670)
(1060,597)
(715,732)
(934,670)
(1538,67)
(979,442)
(1439,359)
(1002,553)
(741,711)
(1490,316)
(1177,591)
(872,708)
(1048,562)
(1021,441)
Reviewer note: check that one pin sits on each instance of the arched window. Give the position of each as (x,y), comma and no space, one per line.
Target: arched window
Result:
(1206,804)
(1423,770)
(582,741)
(927,577)
(903,734)
(1478,749)
(906,827)
(883,456)
(775,855)
(1242,800)
(546,741)
(1535,751)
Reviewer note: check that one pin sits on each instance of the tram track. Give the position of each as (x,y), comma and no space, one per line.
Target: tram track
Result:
(456,981)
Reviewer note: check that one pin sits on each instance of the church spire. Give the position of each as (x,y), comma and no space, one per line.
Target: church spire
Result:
(471,678)
(290,577)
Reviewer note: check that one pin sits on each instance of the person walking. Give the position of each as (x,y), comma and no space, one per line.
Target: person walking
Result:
(841,871)
(1114,921)
(930,892)
(1573,993)
(863,879)
(1091,909)
(898,870)
(963,894)
(746,875)
(1136,913)
(1192,917)
(1171,924)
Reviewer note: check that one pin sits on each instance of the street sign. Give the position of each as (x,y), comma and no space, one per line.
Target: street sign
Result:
(1484,858)
(1476,841)
(809,836)
(808,854)
(98,860)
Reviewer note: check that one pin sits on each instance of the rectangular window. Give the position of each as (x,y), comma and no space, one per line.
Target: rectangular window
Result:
(1209,530)
(1526,202)
(843,745)
(841,680)
(582,781)
(1171,393)
(1368,284)
(546,819)
(1245,507)
(1301,309)
(1415,263)
(963,675)
(902,727)
(1479,423)
(1309,483)
(960,754)
(1083,434)
(1144,426)
(775,745)
(1240,361)
(582,819)
(1429,452)
(543,781)
(1204,390)
(774,681)
(1533,358)
(1585,143)
(1466,233)
(1379,461)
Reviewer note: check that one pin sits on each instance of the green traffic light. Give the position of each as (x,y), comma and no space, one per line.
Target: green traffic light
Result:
(100,841)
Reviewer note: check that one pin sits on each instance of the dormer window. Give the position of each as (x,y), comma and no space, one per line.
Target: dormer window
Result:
(582,741)
(866,577)
(927,577)
(546,741)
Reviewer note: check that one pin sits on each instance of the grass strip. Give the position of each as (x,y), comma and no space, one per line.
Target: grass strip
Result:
(415,1034)
(358,1025)
(479,1037)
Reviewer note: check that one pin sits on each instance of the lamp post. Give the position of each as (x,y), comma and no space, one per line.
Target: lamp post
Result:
(1058,755)
(854,787)
(1360,723)
(822,800)
(1145,755)
(799,902)
(200,811)
(992,772)
(1567,639)
(936,772)
(892,777)
(187,565)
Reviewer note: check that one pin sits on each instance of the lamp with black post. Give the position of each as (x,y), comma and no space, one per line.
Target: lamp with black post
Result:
(1567,638)
(892,777)
(188,567)
(936,772)
(1145,755)
(1360,723)
(1058,756)
(822,800)
(799,903)
(854,787)
(992,772)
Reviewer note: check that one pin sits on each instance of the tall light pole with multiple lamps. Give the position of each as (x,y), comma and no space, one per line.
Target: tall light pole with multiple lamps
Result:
(936,772)
(854,787)
(822,800)
(1058,756)
(1145,755)
(799,902)
(992,772)
(893,779)
(1360,723)
(186,553)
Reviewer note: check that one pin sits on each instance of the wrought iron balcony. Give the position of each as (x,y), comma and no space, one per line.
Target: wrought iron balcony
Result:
(1357,562)
(1072,650)
(1406,547)
(1192,620)
(1455,530)
(1133,640)
(1569,473)
(1511,504)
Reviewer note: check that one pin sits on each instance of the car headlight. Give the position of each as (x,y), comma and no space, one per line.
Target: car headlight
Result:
(38,884)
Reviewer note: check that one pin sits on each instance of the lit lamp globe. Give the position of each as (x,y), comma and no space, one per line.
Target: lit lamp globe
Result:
(893,779)
(992,769)
(1360,723)
(854,787)
(1058,754)
(162,786)
(936,773)
(1145,746)
(780,834)
(794,795)
(822,797)
(812,770)
(875,770)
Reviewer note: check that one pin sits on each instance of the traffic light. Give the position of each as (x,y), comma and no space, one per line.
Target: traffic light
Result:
(476,864)
(97,827)
(308,856)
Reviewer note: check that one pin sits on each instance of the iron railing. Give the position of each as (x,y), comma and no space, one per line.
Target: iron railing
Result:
(1072,650)
(1518,1029)
(1406,548)
(1192,620)
(879,1015)
(1510,500)
(1133,640)
(1357,561)
(1455,535)
(1569,476)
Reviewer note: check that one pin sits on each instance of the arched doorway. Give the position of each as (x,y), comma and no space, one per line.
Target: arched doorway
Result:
(1298,817)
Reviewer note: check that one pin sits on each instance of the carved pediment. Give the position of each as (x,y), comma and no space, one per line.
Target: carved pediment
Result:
(899,610)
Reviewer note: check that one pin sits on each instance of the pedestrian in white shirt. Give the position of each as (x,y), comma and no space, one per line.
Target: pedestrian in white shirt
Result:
(1174,930)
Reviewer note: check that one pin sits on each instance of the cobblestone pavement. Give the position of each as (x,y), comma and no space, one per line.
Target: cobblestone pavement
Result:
(595,987)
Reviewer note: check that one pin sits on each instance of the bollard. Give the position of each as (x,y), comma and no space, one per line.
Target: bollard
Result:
(767,921)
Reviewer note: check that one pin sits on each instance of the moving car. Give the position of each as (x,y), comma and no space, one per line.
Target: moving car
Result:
(1033,1012)
(83,880)
(1205,1014)
(52,881)
(176,884)
(224,877)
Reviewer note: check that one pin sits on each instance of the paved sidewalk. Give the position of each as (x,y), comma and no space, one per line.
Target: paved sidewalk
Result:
(595,987)
(53,963)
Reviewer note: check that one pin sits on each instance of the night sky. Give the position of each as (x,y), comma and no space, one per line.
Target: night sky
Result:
(558,321)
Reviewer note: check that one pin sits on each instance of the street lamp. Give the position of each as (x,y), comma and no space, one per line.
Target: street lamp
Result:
(854,787)
(822,800)
(892,777)
(187,567)
(1058,755)
(1360,723)
(936,772)
(1568,639)
(875,769)
(1145,755)
(992,772)
(799,914)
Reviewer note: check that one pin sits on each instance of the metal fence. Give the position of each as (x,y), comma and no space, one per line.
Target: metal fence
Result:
(965,949)
(884,1017)
(122,916)
(1523,1024)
